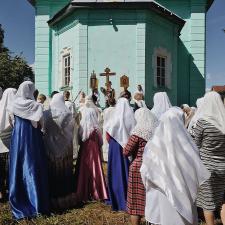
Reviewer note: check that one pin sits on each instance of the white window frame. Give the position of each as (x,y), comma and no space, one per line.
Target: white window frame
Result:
(162,53)
(66,70)
(67,51)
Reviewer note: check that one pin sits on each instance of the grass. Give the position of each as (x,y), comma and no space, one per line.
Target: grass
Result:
(92,213)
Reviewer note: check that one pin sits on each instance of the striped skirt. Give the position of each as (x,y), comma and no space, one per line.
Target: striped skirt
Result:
(211,193)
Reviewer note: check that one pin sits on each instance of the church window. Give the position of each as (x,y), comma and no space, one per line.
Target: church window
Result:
(161,71)
(66,69)
(162,68)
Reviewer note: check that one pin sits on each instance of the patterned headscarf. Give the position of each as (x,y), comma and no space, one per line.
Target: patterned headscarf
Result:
(146,123)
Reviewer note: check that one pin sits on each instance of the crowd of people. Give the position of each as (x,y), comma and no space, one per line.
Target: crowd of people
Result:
(162,163)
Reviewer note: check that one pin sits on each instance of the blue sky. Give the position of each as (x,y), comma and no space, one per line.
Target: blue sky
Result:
(17,18)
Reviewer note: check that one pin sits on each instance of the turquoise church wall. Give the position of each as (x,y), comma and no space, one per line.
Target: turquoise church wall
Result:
(144,30)
(191,76)
(161,33)
(43,62)
(113,46)
(126,46)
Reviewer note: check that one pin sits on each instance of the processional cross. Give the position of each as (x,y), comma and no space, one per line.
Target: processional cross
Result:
(107,74)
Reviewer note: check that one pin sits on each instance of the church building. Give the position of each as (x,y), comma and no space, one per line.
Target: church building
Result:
(158,44)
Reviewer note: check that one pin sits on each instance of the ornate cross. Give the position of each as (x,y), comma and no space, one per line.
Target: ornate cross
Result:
(107,74)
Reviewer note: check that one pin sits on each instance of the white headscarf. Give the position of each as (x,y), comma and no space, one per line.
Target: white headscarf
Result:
(24,104)
(146,123)
(194,119)
(172,165)
(161,104)
(7,97)
(88,123)
(122,122)
(90,104)
(199,102)
(58,106)
(1,92)
(212,110)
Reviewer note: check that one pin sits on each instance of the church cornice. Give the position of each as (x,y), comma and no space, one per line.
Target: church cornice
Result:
(151,5)
(209,3)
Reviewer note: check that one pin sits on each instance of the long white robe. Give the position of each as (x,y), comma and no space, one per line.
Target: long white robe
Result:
(172,172)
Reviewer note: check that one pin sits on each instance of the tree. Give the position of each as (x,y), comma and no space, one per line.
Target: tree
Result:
(2,48)
(13,69)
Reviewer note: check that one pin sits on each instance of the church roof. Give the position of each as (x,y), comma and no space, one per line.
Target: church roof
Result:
(209,2)
(118,4)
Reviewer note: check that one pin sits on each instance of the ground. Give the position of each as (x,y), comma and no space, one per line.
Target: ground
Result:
(94,213)
(91,214)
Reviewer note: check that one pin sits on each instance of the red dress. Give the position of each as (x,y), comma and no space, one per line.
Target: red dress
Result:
(90,179)
(136,189)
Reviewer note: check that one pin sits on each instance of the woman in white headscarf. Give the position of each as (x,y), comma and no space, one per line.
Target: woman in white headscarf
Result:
(28,181)
(90,182)
(143,132)
(58,139)
(119,129)
(172,172)
(210,139)
(90,104)
(161,104)
(5,137)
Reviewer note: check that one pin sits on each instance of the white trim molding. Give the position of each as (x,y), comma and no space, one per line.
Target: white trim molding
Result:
(64,52)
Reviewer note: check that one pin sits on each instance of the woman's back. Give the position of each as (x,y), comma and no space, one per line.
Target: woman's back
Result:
(211,142)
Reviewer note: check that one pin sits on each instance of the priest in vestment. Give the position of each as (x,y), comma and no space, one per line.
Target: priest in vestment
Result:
(109,93)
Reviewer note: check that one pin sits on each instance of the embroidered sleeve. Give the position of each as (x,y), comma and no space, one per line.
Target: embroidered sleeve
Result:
(131,146)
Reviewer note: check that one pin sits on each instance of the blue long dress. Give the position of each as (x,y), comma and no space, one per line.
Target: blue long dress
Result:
(28,184)
(118,167)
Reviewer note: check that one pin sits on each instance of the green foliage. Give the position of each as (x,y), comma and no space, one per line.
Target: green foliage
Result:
(13,69)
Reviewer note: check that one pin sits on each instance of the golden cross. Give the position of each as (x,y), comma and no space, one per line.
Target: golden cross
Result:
(107,74)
